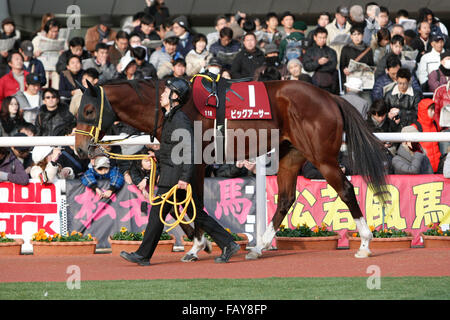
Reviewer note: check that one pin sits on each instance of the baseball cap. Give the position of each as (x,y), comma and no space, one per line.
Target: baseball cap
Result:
(101,162)
(343,10)
(271,48)
(33,78)
(27,48)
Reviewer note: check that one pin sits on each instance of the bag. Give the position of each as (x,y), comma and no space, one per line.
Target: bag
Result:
(322,79)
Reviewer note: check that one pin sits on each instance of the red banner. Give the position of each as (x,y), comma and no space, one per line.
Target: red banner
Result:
(416,201)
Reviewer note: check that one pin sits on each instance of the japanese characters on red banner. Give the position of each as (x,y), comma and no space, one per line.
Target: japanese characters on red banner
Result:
(416,201)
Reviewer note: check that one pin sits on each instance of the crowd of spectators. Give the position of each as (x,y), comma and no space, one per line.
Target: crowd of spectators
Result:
(409,57)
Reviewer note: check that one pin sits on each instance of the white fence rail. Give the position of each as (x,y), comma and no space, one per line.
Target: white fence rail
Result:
(145,139)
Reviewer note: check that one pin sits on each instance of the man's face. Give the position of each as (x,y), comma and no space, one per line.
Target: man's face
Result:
(392,72)
(396,48)
(147,28)
(122,44)
(74,65)
(438,45)
(16,61)
(383,19)
(221,24)
(87,78)
(272,23)
(288,22)
(224,41)
(102,55)
(356,37)
(33,89)
(135,41)
(178,30)
(249,43)
(397,30)
(323,20)
(165,101)
(320,39)
(424,30)
(340,19)
(170,47)
(403,84)
(178,70)
(77,50)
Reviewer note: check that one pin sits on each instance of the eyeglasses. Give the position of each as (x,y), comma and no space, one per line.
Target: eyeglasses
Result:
(50,97)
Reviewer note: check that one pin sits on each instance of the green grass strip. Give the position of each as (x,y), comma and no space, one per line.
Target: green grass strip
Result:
(396,288)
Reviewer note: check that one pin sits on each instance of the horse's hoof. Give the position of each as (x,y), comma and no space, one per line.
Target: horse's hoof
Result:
(189,258)
(208,247)
(252,255)
(363,253)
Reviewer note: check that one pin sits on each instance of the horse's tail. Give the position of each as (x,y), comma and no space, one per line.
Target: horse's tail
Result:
(366,153)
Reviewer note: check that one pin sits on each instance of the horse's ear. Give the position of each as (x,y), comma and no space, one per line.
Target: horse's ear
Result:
(91,89)
(80,86)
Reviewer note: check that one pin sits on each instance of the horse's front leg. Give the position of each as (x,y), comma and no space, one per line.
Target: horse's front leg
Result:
(287,181)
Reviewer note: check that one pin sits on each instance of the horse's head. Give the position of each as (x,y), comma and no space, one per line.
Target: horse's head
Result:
(95,115)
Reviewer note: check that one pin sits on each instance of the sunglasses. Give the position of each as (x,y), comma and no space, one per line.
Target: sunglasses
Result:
(50,97)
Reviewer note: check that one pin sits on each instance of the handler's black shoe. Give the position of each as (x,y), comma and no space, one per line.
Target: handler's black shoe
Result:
(135,258)
(228,251)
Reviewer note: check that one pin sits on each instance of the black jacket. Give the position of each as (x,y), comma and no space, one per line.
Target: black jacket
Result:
(55,123)
(314,53)
(181,167)
(408,105)
(245,63)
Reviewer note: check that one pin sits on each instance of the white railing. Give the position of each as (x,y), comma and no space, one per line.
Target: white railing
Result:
(145,139)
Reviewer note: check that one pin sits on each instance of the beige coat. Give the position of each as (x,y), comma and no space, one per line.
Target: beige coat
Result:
(333,31)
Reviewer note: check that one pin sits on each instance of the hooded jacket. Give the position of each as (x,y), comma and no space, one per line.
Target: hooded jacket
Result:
(428,125)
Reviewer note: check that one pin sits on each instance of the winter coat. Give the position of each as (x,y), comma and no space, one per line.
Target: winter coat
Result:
(185,44)
(428,125)
(92,37)
(245,63)
(61,65)
(384,80)
(36,66)
(350,51)
(437,78)
(441,98)
(407,103)
(225,54)
(9,85)
(107,71)
(145,71)
(429,62)
(195,62)
(67,83)
(333,31)
(116,179)
(314,53)
(14,169)
(54,123)
(406,163)
(10,126)
(170,172)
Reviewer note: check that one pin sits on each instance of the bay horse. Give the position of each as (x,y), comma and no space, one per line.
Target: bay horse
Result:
(310,122)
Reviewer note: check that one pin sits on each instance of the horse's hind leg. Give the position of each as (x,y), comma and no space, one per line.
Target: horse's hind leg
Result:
(289,166)
(336,178)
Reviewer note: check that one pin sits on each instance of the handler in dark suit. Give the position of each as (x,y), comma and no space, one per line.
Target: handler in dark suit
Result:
(174,96)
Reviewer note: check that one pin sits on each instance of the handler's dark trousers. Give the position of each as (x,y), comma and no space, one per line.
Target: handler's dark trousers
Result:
(155,227)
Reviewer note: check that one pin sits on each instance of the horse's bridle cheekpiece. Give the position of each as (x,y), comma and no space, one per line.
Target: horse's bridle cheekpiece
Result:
(105,117)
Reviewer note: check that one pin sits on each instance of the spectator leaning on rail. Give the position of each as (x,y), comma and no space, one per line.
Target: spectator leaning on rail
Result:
(101,169)
(46,166)
(23,154)
(410,158)
(11,169)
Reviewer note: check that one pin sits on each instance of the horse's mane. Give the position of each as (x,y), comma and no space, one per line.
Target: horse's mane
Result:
(135,84)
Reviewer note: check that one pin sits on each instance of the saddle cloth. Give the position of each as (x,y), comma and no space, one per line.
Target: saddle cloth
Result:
(243,100)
